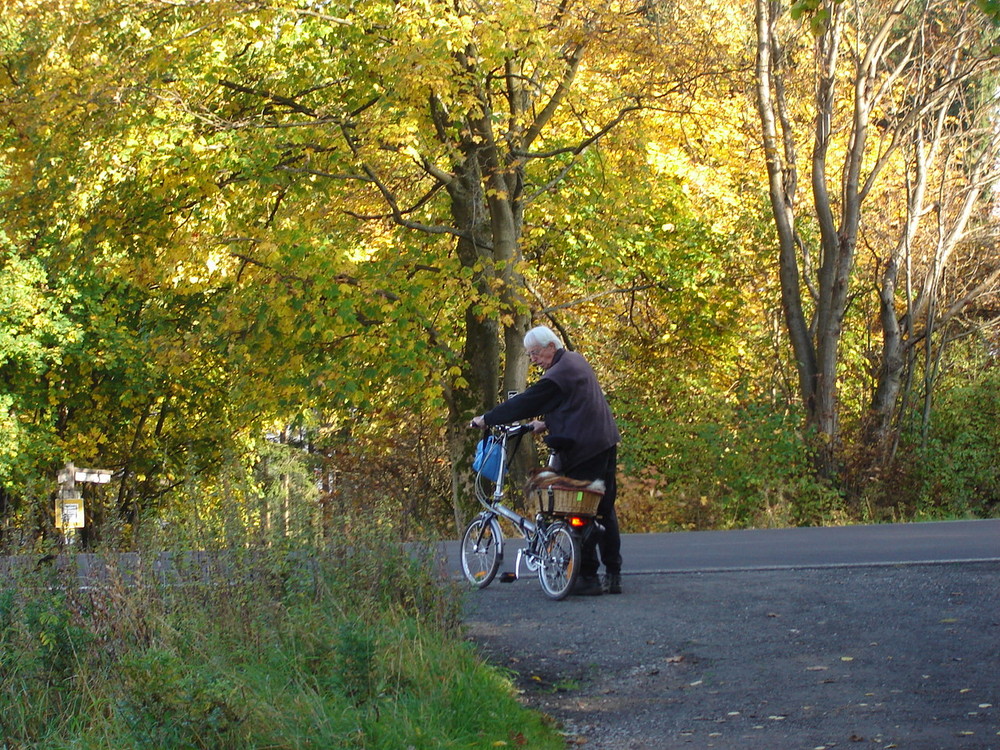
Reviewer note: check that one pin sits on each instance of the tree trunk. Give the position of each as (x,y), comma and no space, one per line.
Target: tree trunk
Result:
(817,341)
(779,149)
(480,363)
(947,196)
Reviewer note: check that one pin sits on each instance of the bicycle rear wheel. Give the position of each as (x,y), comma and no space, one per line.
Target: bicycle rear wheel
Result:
(560,561)
(482,550)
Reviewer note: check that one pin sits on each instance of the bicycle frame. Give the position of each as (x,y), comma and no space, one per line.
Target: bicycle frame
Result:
(553,544)
(494,503)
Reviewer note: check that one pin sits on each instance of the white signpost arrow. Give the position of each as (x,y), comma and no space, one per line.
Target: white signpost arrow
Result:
(69,510)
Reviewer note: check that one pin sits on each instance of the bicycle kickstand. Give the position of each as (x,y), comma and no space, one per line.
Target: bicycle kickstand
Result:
(509,576)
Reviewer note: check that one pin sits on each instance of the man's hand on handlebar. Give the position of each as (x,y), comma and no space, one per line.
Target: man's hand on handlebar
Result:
(537,425)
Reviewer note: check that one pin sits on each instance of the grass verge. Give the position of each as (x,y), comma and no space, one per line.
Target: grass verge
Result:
(327,648)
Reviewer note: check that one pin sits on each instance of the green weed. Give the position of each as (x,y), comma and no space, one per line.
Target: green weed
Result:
(335,646)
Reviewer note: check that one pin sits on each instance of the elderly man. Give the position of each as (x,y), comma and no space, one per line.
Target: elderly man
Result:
(576,414)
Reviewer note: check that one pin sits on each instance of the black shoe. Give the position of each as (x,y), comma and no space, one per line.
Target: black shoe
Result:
(613,583)
(588,586)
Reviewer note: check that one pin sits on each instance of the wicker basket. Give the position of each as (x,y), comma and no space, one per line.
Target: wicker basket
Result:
(558,500)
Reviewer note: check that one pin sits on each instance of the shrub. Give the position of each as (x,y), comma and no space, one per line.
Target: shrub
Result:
(293,646)
(755,469)
(955,472)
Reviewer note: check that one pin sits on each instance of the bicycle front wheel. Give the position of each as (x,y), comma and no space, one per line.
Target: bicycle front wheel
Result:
(560,561)
(482,551)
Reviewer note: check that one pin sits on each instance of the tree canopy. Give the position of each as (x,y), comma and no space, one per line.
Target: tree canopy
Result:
(333,222)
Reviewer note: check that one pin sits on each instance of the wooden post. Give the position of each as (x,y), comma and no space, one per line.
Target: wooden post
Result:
(69,510)
(64,502)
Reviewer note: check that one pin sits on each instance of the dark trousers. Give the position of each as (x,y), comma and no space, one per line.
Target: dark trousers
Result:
(602,466)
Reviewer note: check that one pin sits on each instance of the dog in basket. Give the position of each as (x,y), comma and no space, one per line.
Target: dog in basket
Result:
(542,478)
(549,492)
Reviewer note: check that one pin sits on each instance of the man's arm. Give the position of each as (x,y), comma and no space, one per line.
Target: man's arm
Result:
(538,399)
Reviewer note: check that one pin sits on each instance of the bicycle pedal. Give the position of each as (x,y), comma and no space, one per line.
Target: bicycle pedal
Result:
(508,577)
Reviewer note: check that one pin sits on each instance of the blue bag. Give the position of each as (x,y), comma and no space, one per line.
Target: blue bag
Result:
(488,457)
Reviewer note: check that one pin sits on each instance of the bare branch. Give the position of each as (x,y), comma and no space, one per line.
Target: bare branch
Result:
(598,295)
(398,215)
(270,96)
(323,16)
(545,115)
(586,143)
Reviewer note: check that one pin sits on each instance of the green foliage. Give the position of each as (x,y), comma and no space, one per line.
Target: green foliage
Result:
(816,11)
(306,647)
(751,469)
(169,702)
(201,244)
(991,8)
(42,638)
(209,285)
(955,474)
(35,336)
(768,475)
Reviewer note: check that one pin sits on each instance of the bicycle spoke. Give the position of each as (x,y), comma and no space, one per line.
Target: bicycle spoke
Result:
(482,550)
(559,567)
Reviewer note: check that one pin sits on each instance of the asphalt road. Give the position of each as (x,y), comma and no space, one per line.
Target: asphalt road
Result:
(838,546)
(855,637)
(756,549)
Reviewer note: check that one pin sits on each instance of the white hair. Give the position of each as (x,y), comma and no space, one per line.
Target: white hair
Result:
(541,336)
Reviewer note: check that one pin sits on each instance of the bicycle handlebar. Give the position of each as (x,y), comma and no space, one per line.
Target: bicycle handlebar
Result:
(512,430)
(518,429)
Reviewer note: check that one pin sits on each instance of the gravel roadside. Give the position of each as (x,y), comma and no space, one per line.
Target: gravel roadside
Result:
(862,657)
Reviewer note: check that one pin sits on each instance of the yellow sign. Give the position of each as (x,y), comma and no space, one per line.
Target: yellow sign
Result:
(69,513)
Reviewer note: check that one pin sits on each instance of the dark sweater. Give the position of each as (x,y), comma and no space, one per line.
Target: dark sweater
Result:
(573,405)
